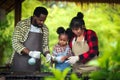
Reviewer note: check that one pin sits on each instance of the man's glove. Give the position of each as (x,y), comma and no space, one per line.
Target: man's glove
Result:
(48,57)
(35,54)
(53,58)
(73,59)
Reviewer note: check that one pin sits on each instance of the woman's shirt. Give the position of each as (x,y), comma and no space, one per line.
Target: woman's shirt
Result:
(92,41)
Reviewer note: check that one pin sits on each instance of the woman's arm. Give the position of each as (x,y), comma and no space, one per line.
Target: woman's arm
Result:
(92,41)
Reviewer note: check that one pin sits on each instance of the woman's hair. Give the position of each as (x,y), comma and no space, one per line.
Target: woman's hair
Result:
(77,21)
(40,10)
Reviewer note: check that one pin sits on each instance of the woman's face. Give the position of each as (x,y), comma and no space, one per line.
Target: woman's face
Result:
(77,31)
(63,39)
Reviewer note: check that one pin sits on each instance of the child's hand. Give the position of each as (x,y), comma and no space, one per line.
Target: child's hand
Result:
(58,59)
(64,58)
(61,59)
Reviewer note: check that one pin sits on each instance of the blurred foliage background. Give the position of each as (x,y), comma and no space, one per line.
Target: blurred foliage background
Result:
(104,19)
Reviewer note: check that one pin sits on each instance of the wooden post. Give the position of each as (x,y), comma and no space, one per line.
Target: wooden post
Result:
(17,11)
(2,17)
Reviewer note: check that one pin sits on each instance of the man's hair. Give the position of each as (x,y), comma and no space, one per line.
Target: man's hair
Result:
(40,10)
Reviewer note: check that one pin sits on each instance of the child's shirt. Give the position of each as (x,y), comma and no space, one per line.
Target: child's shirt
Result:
(58,52)
(58,49)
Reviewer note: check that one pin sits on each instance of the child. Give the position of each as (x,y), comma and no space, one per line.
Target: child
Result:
(61,51)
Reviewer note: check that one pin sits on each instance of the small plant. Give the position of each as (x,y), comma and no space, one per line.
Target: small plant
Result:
(58,75)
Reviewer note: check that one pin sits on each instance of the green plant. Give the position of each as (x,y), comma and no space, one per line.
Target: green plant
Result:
(110,68)
(59,75)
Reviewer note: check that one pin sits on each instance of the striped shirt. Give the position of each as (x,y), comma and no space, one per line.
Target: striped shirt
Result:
(20,35)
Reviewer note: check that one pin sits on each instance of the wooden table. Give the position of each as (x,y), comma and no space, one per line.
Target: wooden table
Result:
(4,72)
(30,76)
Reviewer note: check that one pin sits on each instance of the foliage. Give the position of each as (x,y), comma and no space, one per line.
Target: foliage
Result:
(109,66)
(58,75)
(102,18)
(5,41)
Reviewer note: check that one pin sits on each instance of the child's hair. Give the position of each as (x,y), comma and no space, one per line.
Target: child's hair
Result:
(61,30)
(67,32)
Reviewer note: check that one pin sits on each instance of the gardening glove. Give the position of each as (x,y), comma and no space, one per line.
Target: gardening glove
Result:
(73,59)
(48,57)
(53,58)
(59,59)
(35,54)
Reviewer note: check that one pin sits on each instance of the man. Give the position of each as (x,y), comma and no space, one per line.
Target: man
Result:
(30,39)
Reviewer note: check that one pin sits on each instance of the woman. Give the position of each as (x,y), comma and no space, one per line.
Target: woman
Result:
(84,44)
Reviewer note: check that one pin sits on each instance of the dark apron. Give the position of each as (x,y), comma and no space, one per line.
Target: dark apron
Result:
(20,62)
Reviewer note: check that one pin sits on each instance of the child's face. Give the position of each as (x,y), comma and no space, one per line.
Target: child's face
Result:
(63,39)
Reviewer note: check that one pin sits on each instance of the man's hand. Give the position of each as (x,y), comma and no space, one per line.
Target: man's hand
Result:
(73,59)
(48,57)
(35,54)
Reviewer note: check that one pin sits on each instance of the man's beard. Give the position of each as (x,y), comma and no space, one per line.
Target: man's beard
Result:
(36,25)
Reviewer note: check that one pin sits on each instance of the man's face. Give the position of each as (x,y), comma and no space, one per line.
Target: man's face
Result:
(39,21)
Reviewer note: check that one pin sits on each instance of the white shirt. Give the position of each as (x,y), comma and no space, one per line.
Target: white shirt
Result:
(35,29)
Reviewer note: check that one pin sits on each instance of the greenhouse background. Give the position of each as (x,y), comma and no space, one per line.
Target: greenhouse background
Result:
(103,18)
